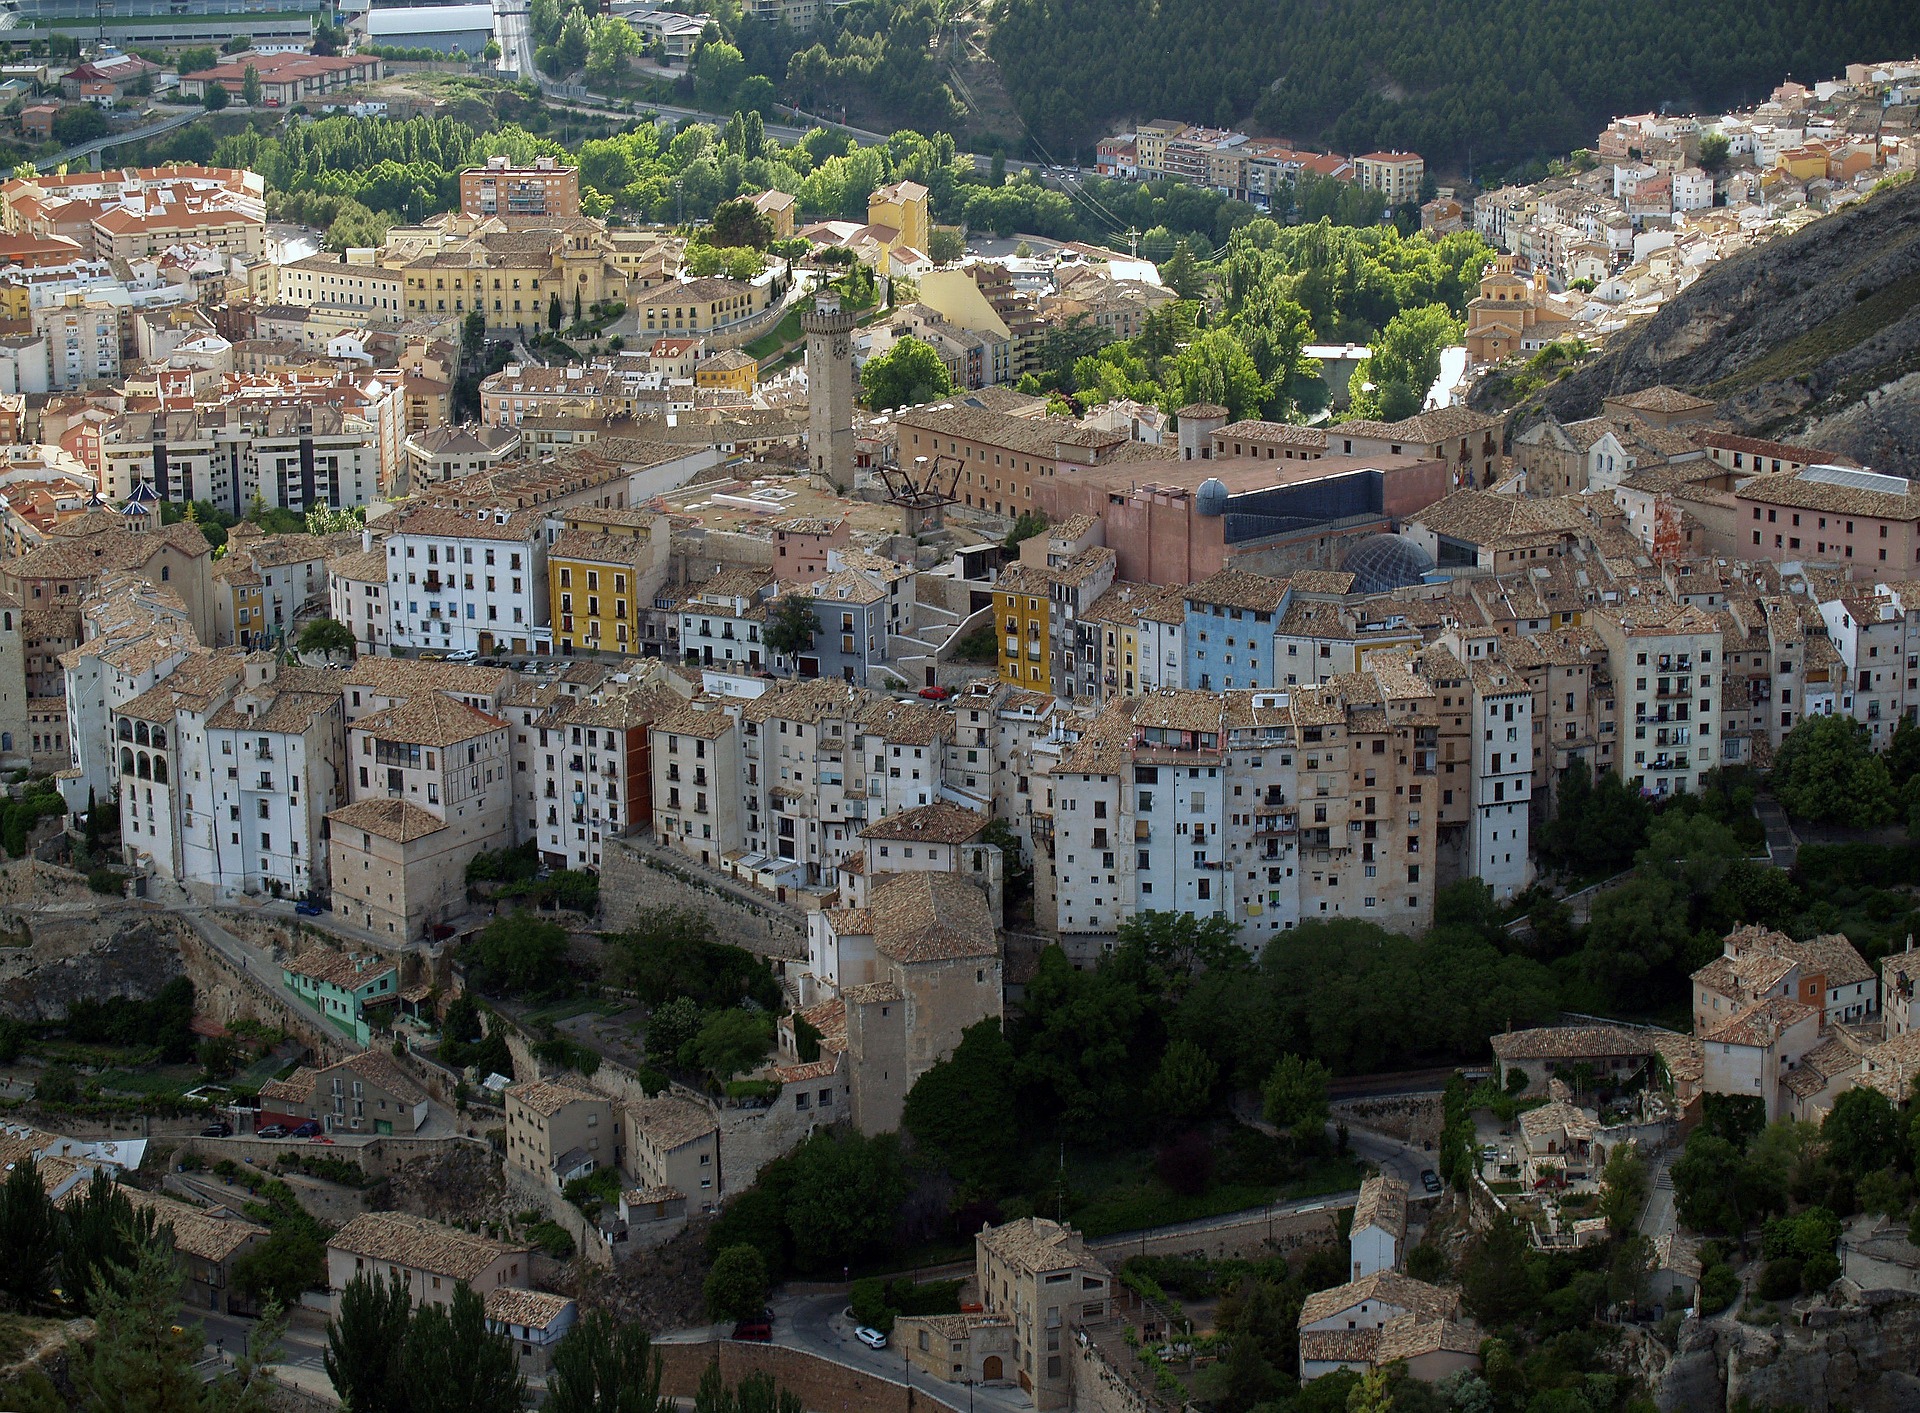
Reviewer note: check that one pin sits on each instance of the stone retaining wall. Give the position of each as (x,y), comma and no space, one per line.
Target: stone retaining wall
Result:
(635,881)
(1252,1235)
(819,1383)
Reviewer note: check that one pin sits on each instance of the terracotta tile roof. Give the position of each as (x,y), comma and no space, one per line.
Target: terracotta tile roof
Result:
(1557,1117)
(296,1088)
(1387,1287)
(548,1097)
(1274,433)
(529,1309)
(1571,1042)
(907,723)
(669,1121)
(396,1239)
(1662,398)
(1409,1337)
(938,823)
(812,701)
(430,720)
(398,820)
(345,970)
(378,1070)
(1439,425)
(1787,488)
(446,522)
(1382,1204)
(205,1233)
(1036,1246)
(929,917)
(1339,1346)
(1762,1023)
(407,677)
(709,723)
(1234,588)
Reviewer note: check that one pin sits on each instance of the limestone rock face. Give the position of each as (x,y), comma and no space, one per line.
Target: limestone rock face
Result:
(1858,1356)
(1812,338)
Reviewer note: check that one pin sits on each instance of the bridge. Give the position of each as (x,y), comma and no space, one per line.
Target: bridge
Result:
(92,150)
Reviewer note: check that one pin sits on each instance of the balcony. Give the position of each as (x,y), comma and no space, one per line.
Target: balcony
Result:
(1272,821)
(263,751)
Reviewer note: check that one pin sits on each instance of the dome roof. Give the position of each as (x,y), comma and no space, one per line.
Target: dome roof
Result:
(1212,498)
(1382,562)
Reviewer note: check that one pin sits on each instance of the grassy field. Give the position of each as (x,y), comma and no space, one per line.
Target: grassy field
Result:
(157,1082)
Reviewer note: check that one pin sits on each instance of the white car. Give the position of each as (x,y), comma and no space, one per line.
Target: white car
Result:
(869,1336)
(462,655)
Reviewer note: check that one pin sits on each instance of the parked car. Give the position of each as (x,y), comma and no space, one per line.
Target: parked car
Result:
(1490,1154)
(271,1131)
(1430,1180)
(219,1130)
(869,1336)
(760,1331)
(306,1130)
(463,655)
(306,909)
(936,694)
(432,655)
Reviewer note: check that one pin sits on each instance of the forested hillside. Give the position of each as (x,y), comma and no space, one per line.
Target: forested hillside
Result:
(1504,79)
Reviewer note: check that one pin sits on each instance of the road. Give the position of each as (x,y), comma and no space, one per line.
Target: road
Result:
(511,28)
(302,1346)
(1783,847)
(101,144)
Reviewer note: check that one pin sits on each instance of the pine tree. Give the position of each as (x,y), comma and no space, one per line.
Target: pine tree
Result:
(29,1235)
(601,1368)
(101,1235)
(141,1360)
(452,1363)
(364,1340)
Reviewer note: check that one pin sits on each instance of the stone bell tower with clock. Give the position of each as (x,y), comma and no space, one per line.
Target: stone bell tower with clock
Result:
(829,331)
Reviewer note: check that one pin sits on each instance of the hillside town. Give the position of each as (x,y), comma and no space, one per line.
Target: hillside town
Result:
(780,811)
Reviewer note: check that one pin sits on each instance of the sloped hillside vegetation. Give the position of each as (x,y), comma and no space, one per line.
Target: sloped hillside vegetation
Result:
(1815,337)
(1500,80)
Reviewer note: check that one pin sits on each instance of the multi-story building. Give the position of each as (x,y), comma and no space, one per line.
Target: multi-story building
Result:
(1498,835)
(697,782)
(1668,681)
(721,621)
(82,333)
(127,212)
(601,581)
(805,762)
(502,189)
(429,1260)
(701,305)
(557,1132)
(1830,515)
(592,772)
(468,578)
(1041,1277)
(1395,175)
(357,597)
(1229,630)
(431,783)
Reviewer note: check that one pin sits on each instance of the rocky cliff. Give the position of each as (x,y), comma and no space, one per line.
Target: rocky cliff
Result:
(1814,337)
(1858,1356)
(93,953)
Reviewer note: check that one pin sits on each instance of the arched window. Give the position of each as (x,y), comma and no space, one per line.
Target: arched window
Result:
(126,729)
(144,768)
(126,761)
(160,737)
(159,770)
(140,733)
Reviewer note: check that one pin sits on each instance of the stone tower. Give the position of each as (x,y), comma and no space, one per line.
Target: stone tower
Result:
(829,332)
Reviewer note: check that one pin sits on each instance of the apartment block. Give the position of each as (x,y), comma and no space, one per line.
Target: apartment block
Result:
(698,783)
(1669,693)
(557,1132)
(468,578)
(501,189)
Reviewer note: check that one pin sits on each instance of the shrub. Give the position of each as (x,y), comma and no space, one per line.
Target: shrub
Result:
(869,1301)
(1427,1262)
(1820,1271)
(551,1238)
(1719,1288)
(1779,1278)
(106,880)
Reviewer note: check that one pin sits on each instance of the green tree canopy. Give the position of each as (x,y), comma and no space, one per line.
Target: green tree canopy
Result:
(1826,771)
(792,625)
(523,955)
(909,372)
(736,1286)
(1403,363)
(958,1111)
(601,1366)
(326,635)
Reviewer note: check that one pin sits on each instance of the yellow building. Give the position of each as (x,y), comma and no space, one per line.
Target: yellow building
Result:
(512,275)
(1020,603)
(730,369)
(902,208)
(698,306)
(1804,163)
(602,574)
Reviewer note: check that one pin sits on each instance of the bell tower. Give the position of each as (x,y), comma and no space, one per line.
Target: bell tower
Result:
(829,332)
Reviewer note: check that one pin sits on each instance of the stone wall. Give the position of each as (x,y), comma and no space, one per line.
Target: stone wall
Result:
(637,880)
(819,1383)
(229,993)
(378,1157)
(1098,1387)
(1252,1234)
(1411,1118)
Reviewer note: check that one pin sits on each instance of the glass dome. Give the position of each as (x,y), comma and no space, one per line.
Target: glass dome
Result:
(1382,562)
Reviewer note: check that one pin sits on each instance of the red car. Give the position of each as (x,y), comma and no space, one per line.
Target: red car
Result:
(936,694)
